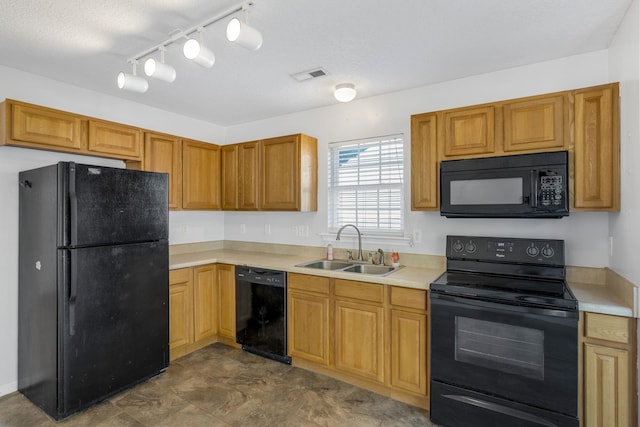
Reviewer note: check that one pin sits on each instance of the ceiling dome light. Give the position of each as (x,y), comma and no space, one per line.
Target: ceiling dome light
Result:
(132,82)
(241,33)
(160,70)
(198,53)
(345,92)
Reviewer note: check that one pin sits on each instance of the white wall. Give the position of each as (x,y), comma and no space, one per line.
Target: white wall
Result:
(389,114)
(184,227)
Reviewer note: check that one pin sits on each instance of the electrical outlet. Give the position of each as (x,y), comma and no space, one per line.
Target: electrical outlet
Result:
(417,236)
(243,228)
(267,229)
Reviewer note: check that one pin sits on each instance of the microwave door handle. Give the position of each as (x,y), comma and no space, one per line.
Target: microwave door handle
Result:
(533,197)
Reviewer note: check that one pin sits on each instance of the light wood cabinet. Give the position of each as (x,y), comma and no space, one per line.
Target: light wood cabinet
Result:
(359,330)
(180,312)
(205,302)
(409,367)
(468,131)
(163,153)
(229,177)
(200,175)
(33,126)
(308,317)
(288,178)
(227,299)
(597,149)
(115,139)
(424,162)
(608,370)
(585,122)
(239,176)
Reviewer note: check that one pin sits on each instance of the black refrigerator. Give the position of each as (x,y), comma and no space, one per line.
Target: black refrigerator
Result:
(93,298)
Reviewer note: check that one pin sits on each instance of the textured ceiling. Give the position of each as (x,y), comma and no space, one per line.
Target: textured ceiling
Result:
(379,45)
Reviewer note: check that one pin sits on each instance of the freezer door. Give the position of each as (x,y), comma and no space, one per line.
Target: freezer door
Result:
(101,205)
(115,320)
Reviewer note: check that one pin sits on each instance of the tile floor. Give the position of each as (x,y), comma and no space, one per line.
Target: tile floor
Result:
(223,386)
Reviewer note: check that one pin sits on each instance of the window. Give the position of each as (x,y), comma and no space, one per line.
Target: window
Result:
(366,184)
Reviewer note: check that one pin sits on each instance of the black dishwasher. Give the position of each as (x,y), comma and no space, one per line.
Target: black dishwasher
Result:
(261,312)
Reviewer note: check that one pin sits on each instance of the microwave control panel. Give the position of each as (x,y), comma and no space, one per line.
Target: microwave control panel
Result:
(551,190)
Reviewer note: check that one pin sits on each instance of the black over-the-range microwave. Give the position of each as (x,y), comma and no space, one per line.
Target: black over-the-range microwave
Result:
(518,186)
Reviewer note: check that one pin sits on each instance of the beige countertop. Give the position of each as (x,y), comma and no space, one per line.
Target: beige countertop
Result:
(597,290)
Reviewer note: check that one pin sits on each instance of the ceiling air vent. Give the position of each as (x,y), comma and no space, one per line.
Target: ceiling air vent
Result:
(310,74)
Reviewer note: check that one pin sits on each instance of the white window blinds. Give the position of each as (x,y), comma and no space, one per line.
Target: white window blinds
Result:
(366,184)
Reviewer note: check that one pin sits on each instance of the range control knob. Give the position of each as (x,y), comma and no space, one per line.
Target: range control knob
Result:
(458,246)
(548,251)
(471,247)
(533,251)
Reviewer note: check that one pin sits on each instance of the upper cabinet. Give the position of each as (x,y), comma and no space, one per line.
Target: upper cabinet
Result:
(585,122)
(163,153)
(275,174)
(32,126)
(200,175)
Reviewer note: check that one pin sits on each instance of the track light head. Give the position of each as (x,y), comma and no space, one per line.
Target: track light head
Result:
(159,70)
(131,81)
(198,53)
(241,33)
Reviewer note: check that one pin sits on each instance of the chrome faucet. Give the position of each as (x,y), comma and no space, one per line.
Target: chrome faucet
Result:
(381,259)
(360,258)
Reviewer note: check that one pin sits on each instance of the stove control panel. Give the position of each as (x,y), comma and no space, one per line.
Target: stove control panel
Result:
(506,249)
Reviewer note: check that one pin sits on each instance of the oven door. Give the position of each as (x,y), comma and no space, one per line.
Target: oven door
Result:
(523,354)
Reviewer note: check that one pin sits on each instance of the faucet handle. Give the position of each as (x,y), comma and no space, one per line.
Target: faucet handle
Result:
(349,255)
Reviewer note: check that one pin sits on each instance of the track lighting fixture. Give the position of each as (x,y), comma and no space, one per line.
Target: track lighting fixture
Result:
(345,92)
(132,82)
(237,31)
(197,52)
(160,70)
(241,33)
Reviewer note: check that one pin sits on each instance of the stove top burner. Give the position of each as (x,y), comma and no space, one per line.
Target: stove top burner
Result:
(514,271)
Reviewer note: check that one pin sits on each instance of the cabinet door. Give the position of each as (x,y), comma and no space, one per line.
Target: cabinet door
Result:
(468,131)
(227,300)
(308,317)
(229,176)
(115,140)
(180,311)
(424,163)
(248,173)
(280,173)
(200,175)
(163,153)
(535,124)
(205,295)
(52,129)
(409,351)
(597,149)
(359,339)
(606,389)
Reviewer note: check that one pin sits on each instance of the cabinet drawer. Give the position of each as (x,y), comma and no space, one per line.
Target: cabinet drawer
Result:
(303,282)
(180,275)
(409,298)
(359,290)
(606,327)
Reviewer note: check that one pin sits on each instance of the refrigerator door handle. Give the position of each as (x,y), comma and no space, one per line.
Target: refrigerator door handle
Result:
(73,289)
(73,205)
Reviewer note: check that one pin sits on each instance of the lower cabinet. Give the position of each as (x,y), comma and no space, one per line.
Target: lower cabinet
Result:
(227,302)
(609,371)
(194,305)
(373,335)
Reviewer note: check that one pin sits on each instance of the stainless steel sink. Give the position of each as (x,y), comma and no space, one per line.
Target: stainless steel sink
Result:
(326,265)
(350,267)
(369,269)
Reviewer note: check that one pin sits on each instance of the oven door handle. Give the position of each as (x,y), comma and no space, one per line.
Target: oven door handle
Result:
(470,301)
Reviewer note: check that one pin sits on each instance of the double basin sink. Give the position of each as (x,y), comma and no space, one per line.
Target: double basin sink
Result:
(350,267)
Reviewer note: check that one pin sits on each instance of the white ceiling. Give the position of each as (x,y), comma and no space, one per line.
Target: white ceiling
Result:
(379,45)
